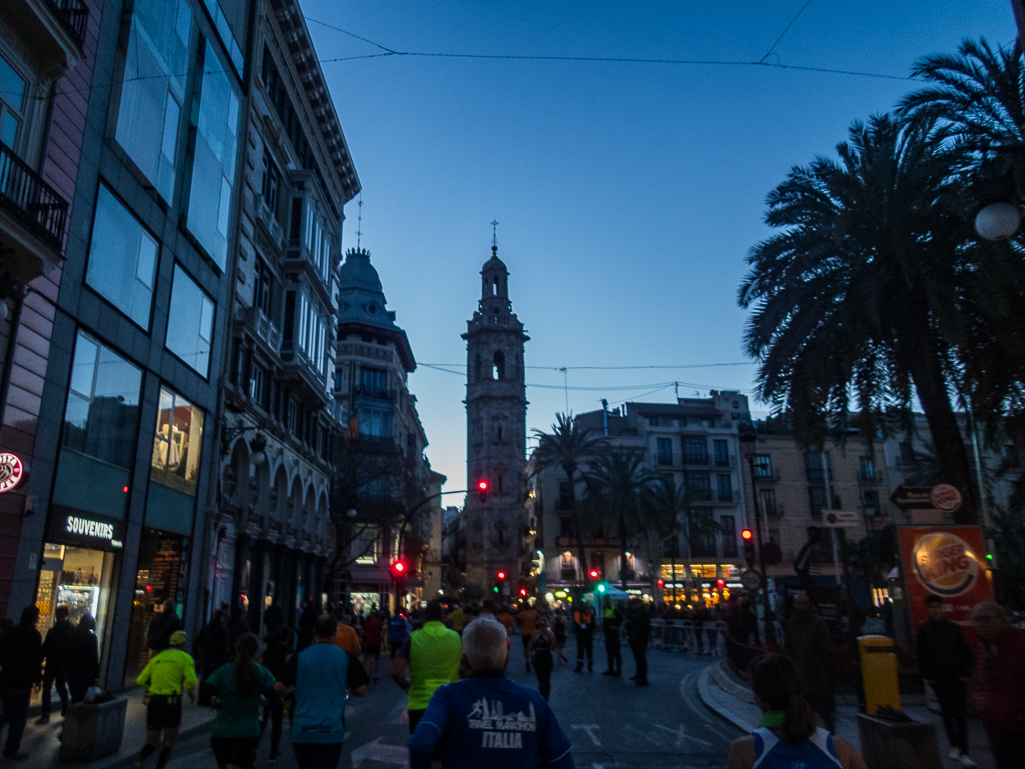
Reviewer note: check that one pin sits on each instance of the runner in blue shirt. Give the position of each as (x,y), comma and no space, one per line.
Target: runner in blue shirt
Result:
(487,720)
(788,735)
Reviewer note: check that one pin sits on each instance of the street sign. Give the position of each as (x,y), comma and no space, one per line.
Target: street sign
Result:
(841,519)
(946,498)
(912,497)
(751,580)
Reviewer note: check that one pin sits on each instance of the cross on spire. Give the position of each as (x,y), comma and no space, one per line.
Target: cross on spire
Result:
(494,234)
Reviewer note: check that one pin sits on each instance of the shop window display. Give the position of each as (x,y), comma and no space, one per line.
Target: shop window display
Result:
(77,578)
(177,443)
(161,575)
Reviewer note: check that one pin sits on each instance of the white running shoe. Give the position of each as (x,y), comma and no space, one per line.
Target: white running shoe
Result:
(967,763)
(955,754)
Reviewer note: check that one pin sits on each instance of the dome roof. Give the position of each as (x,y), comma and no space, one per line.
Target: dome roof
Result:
(357,272)
(494,263)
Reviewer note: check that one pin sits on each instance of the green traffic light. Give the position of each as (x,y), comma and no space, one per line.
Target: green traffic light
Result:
(989,556)
(496,588)
(601,588)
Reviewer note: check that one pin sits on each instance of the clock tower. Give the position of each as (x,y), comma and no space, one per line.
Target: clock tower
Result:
(496,432)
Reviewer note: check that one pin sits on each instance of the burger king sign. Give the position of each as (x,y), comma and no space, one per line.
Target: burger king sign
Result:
(948,562)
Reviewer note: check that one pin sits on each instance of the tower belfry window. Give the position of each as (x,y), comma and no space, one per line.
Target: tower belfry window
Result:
(498,369)
(494,286)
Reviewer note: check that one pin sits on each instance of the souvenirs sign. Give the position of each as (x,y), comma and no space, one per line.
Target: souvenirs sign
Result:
(948,561)
(11,471)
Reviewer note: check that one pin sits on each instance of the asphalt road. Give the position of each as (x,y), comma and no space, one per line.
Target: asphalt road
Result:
(612,723)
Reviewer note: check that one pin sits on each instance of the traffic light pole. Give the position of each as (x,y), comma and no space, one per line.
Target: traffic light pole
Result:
(770,629)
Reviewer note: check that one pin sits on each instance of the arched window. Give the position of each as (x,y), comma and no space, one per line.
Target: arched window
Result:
(498,368)
(494,285)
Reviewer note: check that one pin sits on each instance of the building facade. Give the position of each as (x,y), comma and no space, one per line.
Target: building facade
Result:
(390,497)
(270,538)
(121,470)
(496,427)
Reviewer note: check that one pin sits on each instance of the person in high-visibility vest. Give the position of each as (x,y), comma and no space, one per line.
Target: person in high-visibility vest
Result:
(432,656)
(163,678)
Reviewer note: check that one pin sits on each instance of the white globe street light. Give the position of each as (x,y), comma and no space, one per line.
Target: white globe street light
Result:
(998,221)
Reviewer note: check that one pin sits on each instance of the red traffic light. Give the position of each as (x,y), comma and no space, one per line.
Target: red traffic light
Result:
(661,584)
(523,591)
(399,569)
(501,576)
(747,534)
(482,485)
(400,566)
(595,574)
(720,583)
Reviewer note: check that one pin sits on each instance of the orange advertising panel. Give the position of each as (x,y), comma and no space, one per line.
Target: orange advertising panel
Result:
(948,561)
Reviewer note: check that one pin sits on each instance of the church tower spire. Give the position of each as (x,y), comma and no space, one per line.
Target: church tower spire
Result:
(496,422)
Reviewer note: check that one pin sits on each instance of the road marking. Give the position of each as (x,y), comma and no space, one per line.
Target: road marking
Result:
(681,735)
(589,728)
(380,752)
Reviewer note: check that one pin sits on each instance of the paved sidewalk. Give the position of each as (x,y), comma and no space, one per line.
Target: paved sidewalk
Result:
(42,743)
(725,694)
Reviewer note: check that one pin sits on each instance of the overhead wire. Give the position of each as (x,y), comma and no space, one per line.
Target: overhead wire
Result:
(783,33)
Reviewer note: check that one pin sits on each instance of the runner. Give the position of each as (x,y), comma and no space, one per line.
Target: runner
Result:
(432,656)
(163,678)
(542,641)
(528,623)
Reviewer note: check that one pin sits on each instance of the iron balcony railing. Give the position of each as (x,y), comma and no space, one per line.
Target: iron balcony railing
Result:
(73,16)
(30,199)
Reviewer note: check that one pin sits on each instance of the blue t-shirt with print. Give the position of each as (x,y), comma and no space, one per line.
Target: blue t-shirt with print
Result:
(321,686)
(487,720)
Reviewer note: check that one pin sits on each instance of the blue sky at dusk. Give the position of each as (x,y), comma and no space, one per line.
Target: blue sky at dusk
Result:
(628,194)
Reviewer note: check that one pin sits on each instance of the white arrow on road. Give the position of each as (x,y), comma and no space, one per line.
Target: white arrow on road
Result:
(681,735)
(380,752)
(589,728)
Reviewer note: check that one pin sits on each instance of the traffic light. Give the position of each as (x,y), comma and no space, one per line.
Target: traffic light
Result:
(661,584)
(750,553)
(601,587)
(500,575)
(399,569)
(720,583)
(523,592)
(482,490)
(595,572)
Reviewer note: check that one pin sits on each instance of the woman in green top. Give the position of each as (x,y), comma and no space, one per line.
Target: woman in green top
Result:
(238,685)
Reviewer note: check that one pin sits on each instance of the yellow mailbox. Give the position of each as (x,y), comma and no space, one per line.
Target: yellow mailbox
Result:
(879,672)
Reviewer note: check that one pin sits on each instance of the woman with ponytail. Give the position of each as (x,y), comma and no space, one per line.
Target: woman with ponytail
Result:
(238,685)
(788,734)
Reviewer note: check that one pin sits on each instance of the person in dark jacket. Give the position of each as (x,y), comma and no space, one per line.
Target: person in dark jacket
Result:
(275,659)
(611,623)
(211,646)
(158,636)
(946,660)
(83,658)
(638,630)
(21,661)
(274,617)
(810,645)
(55,650)
(999,683)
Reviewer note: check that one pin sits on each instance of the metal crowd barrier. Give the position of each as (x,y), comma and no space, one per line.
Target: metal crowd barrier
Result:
(705,638)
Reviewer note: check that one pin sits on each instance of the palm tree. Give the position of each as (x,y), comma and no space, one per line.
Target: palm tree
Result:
(976,100)
(618,497)
(568,446)
(857,298)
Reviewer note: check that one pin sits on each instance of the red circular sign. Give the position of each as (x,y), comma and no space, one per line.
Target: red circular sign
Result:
(946,498)
(11,471)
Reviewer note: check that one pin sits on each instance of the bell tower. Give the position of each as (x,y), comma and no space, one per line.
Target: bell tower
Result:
(496,431)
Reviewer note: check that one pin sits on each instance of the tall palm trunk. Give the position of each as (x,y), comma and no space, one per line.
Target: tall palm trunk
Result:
(927,374)
(622,549)
(575,518)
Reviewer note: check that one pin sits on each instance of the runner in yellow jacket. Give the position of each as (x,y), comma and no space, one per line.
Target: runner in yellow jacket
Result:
(163,678)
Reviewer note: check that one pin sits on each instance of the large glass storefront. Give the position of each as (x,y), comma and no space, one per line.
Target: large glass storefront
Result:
(162,573)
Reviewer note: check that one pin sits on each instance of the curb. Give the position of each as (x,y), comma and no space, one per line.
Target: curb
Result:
(706,690)
(122,760)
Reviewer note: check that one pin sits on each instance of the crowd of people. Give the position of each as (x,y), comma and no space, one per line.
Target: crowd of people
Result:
(450,661)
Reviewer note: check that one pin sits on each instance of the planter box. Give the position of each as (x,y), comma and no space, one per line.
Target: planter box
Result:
(889,744)
(93,731)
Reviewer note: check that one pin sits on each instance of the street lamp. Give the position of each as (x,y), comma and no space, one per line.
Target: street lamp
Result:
(748,436)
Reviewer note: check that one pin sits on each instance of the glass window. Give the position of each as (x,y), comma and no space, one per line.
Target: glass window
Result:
(724,486)
(101,422)
(702,533)
(768,500)
(373,380)
(665,451)
(816,465)
(722,452)
(213,169)
(191,322)
(695,449)
(867,468)
(258,385)
(12,102)
(153,89)
(816,500)
(122,259)
(763,465)
(728,527)
(871,497)
(700,486)
(177,443)
(364,548)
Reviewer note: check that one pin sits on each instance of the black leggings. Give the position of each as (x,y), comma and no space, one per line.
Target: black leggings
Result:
(543,664)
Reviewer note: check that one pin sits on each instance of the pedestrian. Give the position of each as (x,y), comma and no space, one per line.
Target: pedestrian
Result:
(611,623)
(274,617)
(458,619)
(372,648)
(55,650)
(487,720)
(83,659)
(583,624)
(307,619)
(398,630)
(560,629)
(212,645)
(163,678)
(164,623)
(999,683)
(542,642)
(810,645)
(21,660)
(506,619)
(318,679)
(346,637)
(528,623)
(238,686)
(275,659)
(432,655)
(638,631)
(945,660)
(787,735)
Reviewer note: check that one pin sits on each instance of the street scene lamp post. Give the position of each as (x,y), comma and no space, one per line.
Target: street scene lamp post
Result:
(748,436)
